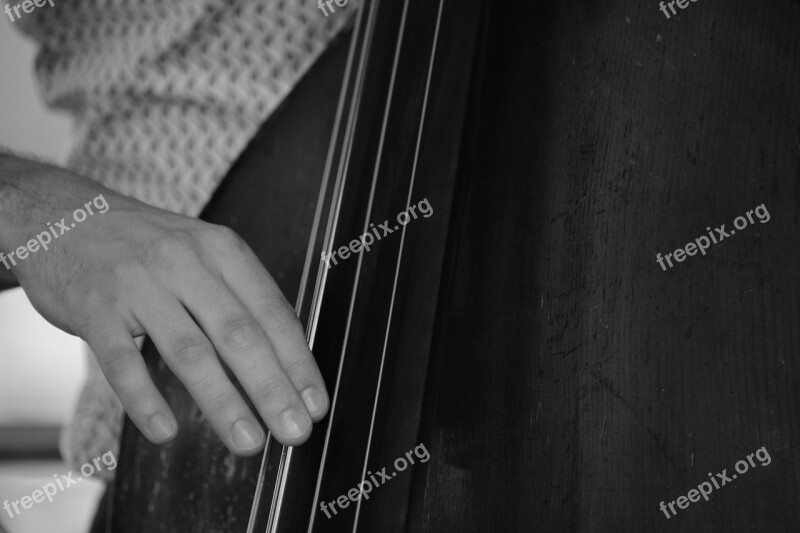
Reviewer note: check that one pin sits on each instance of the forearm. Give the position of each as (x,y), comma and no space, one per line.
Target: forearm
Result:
(22,189)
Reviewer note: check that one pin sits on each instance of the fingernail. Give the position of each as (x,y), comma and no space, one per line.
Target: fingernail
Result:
(294,423)
(161,427)
(247,435)
(315,401)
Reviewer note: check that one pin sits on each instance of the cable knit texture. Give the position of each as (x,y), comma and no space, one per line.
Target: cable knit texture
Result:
(166,95)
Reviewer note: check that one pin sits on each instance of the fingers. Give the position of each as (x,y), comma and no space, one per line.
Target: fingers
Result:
(202,304)
(241,342)
(191,356)
(259,293)
(124,368)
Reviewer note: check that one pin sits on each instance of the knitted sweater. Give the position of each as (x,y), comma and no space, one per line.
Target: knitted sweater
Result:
(166,95)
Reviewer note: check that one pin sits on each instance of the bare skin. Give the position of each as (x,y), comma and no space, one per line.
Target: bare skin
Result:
(195,288)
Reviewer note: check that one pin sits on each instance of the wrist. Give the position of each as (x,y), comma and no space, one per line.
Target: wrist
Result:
(25,188)
(11,174)
(14,180)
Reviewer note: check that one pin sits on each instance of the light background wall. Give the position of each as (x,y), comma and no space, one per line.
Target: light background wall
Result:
(40,367)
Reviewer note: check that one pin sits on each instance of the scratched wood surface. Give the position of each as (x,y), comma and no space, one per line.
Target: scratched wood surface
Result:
(578,384)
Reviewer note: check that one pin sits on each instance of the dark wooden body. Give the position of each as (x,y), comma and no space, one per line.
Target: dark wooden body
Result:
(559,378)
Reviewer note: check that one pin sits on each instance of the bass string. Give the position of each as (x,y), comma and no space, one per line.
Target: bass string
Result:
(423,114)
(333,220)
(320,282)
(374,8)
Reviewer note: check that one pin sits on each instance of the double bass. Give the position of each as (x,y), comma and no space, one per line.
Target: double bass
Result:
(521,335)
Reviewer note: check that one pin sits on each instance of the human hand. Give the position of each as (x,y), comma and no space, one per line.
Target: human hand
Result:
(195,288)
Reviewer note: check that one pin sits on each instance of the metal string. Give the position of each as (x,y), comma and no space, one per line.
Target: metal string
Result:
(330,233)
(286,453)
(360,258)
(400,252)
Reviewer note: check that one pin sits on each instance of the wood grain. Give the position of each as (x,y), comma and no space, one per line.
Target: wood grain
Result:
(578,385)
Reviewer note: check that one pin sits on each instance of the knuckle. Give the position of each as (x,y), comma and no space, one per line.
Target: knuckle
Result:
(223,404)
(115,364)
(95,299)
(136,399)
(178,246)
(190,350)
(300,367)
(274,306)
(126,278)
(280,314)
(241,334)
(202,384)
(127,270)
(225,236)
(271,391)
(285,324)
